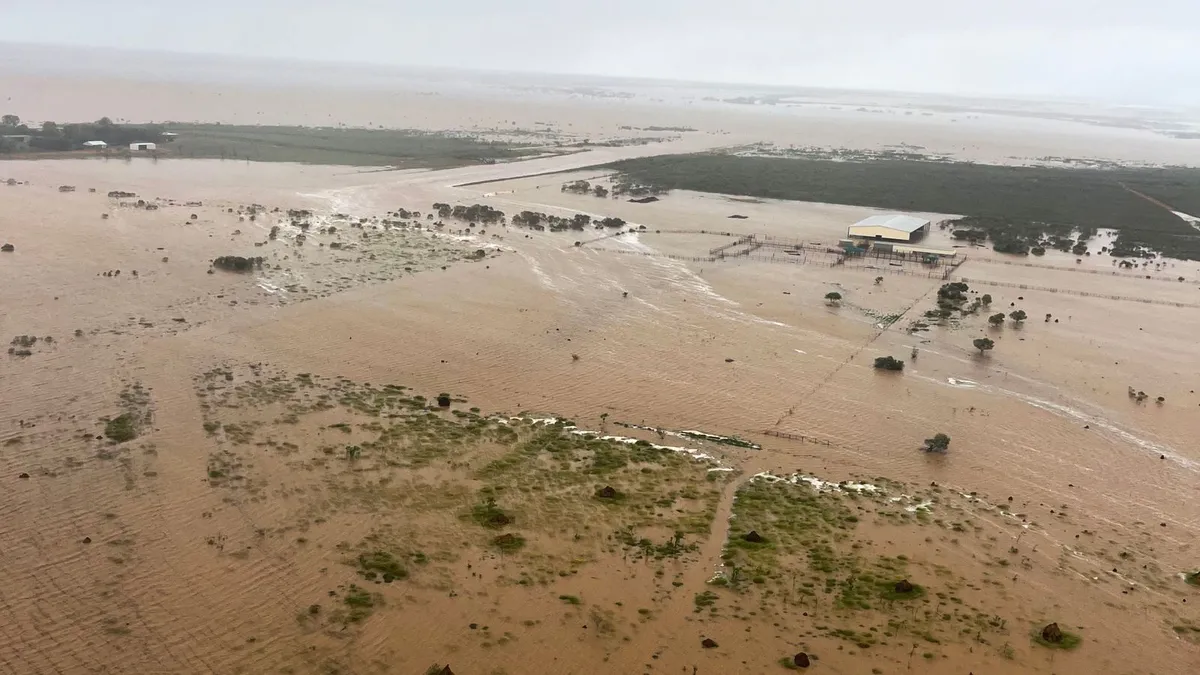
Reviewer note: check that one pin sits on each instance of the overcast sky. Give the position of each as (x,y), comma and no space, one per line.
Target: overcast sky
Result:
(1146,51)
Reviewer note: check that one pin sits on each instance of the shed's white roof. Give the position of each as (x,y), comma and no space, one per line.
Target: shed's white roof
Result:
(92,144)
(894,221)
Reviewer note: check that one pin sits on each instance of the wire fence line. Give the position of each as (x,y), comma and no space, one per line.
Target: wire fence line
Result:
(1084,270)
(1085,294)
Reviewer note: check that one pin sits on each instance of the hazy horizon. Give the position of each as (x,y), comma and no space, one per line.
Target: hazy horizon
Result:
(1103,50)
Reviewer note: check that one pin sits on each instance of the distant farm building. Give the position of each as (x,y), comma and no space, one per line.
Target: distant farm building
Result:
(169,136)
(141,146)
(890,227)
(17,141)
(98,145)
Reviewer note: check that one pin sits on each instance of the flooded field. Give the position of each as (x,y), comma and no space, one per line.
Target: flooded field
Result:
(397,442)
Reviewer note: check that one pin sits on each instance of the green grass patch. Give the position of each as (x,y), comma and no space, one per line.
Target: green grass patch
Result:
(571,599)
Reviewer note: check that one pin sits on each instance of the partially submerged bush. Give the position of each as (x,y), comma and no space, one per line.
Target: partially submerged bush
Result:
(381,563)
(121,428)
(888,363)
(939,443)
(509,543)
(1054,637)
(488,514)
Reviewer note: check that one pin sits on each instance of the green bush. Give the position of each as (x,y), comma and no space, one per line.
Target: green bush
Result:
(121,428)
(888,363)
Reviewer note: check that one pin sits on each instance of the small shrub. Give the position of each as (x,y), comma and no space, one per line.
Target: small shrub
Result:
(939,443)
(121,428)
(382,563)
(488,514)
(1067,642)
(509,543)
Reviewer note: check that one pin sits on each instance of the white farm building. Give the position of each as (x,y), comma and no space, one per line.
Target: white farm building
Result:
(141,146)
(890,227)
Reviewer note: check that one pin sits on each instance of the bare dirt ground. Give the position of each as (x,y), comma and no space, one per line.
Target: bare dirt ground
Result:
(295,499)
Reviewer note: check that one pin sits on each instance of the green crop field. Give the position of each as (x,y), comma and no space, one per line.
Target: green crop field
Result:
(353,147)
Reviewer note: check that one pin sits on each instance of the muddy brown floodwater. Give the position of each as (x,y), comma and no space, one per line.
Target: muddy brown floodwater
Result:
(252,473)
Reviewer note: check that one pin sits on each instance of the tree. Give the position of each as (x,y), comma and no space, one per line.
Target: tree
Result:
(833,298)
(996,319)
(600,191)
(983,344)
(10,121)
(986,299)
(1018,316)
(888,363)
(939,443)
(49,128)
(104,122)
(878,280)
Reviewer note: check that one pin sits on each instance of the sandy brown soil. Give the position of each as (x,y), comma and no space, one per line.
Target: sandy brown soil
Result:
(241,504)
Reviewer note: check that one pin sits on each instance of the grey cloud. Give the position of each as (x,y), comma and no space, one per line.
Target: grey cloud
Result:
(1135,52)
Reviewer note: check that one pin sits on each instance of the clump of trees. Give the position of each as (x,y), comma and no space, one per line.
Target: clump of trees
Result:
(535,220)
(950,299)
(888,363)
(939,443)
(579,187)
(833,298)
(1022,237)
(1018,316)
(236,263)
(983,345)
(476,213)
(540,221)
